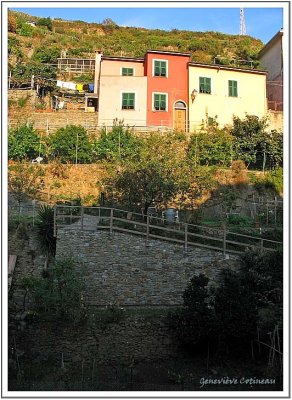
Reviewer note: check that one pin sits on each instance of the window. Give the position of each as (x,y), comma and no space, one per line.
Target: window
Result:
(127,71)
(160,68)
(160,102)
(232,85)
(205,85)
(128,101)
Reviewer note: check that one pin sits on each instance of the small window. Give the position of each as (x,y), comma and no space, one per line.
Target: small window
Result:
(128,101)
(127,71)
(159,102)
(205,85)
(232,85)
(160,68)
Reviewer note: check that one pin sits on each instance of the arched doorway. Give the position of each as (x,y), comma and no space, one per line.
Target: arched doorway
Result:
(180,116)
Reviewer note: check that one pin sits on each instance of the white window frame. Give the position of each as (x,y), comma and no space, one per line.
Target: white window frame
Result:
(153,95)
(153,68)
(121,70)
(135,104)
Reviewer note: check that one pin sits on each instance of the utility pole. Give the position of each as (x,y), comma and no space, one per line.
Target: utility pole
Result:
(242,30)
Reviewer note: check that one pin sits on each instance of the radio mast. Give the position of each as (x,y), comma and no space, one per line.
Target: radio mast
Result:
(242,30)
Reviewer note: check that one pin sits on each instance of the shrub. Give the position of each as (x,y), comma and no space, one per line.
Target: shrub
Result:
(45,229)
(117,145)
(45,22)
(24,143)
(46,54)
(59,292)
(69,142)
(208,148)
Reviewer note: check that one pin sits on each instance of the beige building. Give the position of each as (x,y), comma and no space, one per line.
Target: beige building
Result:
(122,91)
(271,58)
(220,92)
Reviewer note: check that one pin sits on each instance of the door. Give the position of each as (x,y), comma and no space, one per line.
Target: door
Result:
(180,113)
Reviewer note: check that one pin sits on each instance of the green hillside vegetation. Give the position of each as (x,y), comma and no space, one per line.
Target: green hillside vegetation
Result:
(32,46)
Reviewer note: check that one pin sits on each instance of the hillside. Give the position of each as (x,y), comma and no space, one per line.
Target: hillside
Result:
(30,46)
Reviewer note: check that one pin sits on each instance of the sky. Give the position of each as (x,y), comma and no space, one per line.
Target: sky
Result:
(261,23)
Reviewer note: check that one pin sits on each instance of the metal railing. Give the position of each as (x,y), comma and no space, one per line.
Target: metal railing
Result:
(152,227)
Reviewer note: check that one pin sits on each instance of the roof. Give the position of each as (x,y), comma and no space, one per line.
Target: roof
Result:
(271,42)
(226,67)
(174,53)
(122,58)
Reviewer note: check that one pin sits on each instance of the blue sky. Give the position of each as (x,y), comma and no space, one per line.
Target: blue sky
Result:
(261,23)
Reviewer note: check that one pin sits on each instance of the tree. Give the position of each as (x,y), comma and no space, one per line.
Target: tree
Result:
(11,23)
(70,144)
(24,143)
(118,145)
(211,148)
(249,134)
(151,178)
(45,22)
(46,54)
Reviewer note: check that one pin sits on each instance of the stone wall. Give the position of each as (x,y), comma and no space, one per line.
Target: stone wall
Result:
(122,269)
(17,94)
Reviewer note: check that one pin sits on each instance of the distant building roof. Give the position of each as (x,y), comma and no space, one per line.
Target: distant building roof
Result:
(271,42)
(226,67)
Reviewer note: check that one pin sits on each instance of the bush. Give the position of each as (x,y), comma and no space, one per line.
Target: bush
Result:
(24,143)
(46,54)
(25,30)
(58,293)
(45,22)
(118,145)
(45,229)
(68,142)
(211,148)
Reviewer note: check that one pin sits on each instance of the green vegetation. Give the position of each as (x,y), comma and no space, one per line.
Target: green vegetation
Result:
(58,293)
(45,229)
(244,306)
(23,143)
(70,144)
(81,38)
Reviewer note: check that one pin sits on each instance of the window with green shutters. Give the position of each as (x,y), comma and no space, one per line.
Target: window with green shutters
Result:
(205,85)
(160,68)
(232,88)
(127,71)
(128,101)
(160,102)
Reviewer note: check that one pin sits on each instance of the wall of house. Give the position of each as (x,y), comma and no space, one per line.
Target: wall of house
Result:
(251,95)
(272,61)
(114,67)
(175,85)
(110,100)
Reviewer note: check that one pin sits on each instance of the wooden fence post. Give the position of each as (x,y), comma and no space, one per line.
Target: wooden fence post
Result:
(147,230)
(82,217)
(55,223)
(186,236)
(224,242)
(111,221)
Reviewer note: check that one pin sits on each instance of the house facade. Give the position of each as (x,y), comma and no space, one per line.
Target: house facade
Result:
(271,58)
(122,91)
(219,92)
(167,89)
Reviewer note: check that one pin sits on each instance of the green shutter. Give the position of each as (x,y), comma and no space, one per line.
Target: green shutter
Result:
(232,88)
(205,85)
(128,101)
(160,68)
(127,71)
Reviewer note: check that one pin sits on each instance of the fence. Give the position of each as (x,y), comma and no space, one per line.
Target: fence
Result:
(152,227)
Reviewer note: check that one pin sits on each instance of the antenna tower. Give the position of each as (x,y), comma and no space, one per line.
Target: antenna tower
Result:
(242,23)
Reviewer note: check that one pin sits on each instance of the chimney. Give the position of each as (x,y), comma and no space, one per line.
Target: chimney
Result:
(98,55)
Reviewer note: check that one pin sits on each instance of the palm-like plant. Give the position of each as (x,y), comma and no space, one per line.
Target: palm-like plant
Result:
(45,228)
